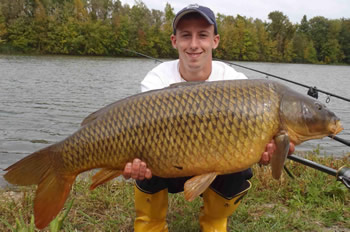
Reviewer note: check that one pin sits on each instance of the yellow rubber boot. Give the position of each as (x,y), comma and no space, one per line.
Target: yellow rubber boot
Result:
(151,210)
(216,210)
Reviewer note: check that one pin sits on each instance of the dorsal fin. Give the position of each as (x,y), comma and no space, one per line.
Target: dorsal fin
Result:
(91,117)
(101,111)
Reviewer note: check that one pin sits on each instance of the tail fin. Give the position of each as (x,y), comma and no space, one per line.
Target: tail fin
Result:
(43,168)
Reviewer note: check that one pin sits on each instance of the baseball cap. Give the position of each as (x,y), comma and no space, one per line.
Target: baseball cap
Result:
(207,13)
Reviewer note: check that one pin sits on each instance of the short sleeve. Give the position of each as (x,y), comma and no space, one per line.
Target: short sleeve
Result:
(232,74)
(151,81)
(161,76)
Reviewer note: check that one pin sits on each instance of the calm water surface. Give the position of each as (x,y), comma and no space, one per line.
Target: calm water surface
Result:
(43,99)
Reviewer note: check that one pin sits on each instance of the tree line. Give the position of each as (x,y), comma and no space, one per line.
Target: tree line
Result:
(108,27)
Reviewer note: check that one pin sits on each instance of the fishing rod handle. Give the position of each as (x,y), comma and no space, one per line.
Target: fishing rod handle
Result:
(314,165)
(343,175)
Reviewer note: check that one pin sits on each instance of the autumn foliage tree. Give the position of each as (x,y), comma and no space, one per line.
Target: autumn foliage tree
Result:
(108,27)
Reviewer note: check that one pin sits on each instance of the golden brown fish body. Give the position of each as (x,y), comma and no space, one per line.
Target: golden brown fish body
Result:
(194,129)
(180,131)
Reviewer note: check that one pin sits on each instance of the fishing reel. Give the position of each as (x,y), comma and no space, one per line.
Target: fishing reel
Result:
(313,92)
(343,175)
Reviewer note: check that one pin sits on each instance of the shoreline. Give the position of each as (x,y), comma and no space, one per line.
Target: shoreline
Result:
(161,58)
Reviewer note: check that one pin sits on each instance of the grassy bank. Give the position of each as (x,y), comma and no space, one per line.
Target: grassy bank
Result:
(313,201)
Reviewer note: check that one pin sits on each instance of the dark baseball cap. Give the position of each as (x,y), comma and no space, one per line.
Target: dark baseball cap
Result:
(207,13)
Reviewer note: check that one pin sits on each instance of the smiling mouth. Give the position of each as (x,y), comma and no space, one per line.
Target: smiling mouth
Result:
(194,54)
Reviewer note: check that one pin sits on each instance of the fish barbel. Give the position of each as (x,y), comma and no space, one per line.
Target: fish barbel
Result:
(189,129)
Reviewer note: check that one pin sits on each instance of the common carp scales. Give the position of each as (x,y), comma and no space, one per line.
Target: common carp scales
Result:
(201,129)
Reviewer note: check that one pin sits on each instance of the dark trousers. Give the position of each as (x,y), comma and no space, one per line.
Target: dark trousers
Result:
(225,185)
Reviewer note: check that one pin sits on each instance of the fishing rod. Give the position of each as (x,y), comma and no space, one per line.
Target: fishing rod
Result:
(312,90)
(140,54)
(340,140)
(342,174)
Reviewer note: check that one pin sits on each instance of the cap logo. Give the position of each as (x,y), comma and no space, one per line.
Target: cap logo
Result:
(192,6)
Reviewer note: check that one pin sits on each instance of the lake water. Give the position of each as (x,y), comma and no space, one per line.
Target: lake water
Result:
(43,99)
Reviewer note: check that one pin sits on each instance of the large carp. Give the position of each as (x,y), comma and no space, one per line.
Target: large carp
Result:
(194,129)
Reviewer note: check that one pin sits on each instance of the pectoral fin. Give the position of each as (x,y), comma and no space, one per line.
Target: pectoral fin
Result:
(103,176)
(197,185)
(279,156)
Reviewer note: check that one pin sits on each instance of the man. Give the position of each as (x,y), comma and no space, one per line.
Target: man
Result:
(194,36)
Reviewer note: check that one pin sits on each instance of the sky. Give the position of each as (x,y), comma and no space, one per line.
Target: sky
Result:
(294,9)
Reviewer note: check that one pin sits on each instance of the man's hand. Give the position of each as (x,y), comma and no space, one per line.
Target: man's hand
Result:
(269,150)
(137,170)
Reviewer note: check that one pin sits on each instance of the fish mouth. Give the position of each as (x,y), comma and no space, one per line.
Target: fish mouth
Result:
(336,128)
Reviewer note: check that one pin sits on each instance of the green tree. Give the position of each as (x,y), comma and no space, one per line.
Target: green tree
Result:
(344,39)
(318,33)
(80,11)
(166,47)
(21,35)
(281,30)
(95,37)
(226,46)
(246,39)
(3,29)
(39,24)
(12,10)
(62,28)
(336,54)
(304,26)
(267,48)
(330,51)
(121,25)
(324,34)
(303,49)
(141,19)
(153,36)
(100,9)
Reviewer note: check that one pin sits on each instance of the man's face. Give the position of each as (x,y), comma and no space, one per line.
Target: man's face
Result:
(195,40)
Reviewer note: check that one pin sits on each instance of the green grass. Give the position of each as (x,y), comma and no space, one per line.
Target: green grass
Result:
(313,201)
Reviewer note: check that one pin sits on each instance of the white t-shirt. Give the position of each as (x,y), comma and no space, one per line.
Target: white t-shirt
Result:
(167,73)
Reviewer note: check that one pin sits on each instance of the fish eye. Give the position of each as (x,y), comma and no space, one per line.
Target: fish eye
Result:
(318,106)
